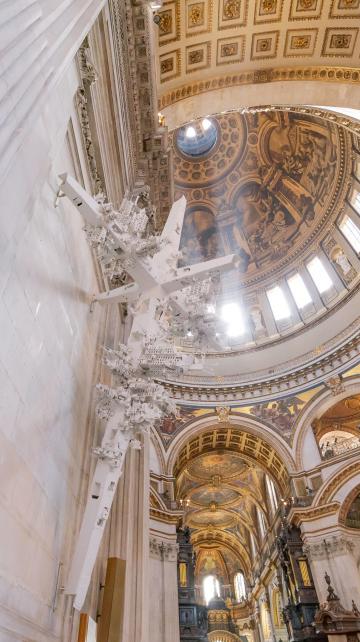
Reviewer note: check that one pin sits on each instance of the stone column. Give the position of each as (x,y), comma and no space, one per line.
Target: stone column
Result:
(270,615)
(130,541)
(334,554)
(164,606)
(258,621)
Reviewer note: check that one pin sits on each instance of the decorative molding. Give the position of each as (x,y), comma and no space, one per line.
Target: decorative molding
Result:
(333,547)
(260,76)
(163,550)
(299,378)
(297,516)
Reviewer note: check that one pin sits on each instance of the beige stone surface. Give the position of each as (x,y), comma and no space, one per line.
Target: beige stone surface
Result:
(47,352)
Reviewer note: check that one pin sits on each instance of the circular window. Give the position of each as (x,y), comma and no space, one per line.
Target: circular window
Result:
(198,138)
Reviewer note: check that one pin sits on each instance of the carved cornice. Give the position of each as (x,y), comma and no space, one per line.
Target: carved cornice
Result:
(260,76)
(299,378)
(331,547)
(164,516)
(163,549)
(297,516)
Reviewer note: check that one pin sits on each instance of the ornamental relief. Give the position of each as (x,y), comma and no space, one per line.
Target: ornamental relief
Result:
(181,20)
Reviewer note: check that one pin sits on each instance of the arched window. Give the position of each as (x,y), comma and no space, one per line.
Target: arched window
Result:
(261,522)
(272,494)
(240,588)
(211,588)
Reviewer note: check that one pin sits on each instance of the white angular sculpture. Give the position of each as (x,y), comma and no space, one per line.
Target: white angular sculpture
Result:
(133,406)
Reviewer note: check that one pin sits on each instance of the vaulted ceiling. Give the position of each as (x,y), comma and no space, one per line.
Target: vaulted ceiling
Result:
(211,43)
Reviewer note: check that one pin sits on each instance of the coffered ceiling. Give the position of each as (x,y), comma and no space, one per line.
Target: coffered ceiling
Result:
(199,40)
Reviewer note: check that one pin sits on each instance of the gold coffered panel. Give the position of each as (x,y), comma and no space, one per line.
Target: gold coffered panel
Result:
(340,42)
(198,57)
(252,39)
(268,11)
(198,17)
(305,9)
(264,45)
(232,13)
(300,42)
(345,9)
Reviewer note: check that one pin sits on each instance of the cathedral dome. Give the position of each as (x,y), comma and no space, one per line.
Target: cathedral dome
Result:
(280,189)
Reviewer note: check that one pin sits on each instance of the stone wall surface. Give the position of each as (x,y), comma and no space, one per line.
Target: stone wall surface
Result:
(47,357)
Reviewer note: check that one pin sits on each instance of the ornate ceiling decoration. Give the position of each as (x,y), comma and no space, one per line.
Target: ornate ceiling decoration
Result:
(201,41)
(271,186)
(220,480)
(242,449)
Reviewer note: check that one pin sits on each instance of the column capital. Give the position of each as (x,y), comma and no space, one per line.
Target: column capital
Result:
(163,549)
(329,546)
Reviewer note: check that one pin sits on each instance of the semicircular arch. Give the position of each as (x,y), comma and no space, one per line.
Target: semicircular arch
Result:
(247,437)
(304,440)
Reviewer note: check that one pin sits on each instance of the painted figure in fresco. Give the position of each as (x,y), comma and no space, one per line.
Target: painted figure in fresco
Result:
(200,237)
(281,413)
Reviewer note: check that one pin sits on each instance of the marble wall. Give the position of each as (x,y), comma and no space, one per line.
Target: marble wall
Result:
(48,347)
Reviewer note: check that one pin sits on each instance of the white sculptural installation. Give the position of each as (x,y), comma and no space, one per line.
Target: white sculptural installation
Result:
(132,407)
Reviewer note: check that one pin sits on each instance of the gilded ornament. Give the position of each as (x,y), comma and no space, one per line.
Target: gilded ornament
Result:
(307,4)
(165,22)
(196,15)
(231,9)
(196,56)
(340,41)
(268,6)
(230,49)
(300,42)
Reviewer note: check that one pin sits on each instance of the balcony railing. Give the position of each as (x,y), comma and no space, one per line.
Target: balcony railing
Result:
(339,447)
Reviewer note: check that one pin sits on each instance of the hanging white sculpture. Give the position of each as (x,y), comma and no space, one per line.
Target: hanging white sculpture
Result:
(136,402)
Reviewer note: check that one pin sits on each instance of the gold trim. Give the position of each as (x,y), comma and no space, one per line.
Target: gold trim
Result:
(166,518)
(259,76)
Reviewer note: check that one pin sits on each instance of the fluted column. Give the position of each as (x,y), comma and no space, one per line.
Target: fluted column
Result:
(335,554)
(38,40)
(131,528)
(164,605)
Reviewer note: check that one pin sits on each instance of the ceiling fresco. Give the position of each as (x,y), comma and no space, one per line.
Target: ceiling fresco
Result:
(269,188)
(280,415)
(221,491)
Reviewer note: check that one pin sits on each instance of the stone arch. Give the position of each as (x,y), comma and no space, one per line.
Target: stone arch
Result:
(339,486)
(158,451)
(267,443)
(223,97)
(304,439)
(347,503)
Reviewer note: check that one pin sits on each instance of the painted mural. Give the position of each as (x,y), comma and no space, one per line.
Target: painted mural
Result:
(281,415)
(263,190)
